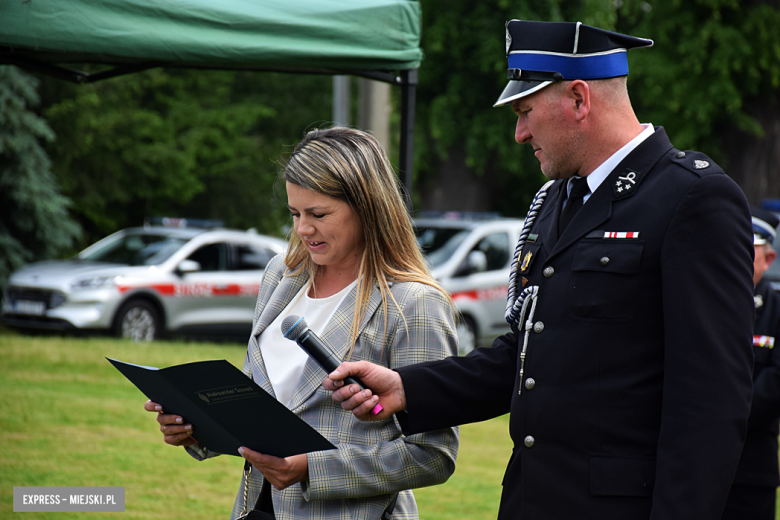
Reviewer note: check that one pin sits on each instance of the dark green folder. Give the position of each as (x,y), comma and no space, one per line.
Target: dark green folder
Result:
(227,409)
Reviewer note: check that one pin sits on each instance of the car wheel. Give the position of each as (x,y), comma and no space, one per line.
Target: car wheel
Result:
(467,335)
(138,320)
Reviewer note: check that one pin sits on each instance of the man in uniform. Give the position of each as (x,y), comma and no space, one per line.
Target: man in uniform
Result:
(753,495)
(628,369)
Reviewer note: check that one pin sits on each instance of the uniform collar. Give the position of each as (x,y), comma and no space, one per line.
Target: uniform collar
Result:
(602,172)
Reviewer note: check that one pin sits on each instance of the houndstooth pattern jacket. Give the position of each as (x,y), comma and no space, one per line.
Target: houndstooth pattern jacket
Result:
(374,461)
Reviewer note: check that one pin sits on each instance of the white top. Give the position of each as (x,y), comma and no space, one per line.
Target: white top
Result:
(598,175)
(284,359)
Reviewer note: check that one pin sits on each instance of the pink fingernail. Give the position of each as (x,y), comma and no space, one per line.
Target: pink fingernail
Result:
(378,408)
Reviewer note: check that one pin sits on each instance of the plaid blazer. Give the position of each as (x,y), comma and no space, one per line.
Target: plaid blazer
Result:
(374,461)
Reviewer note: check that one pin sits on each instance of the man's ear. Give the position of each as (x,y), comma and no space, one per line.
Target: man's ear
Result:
(770,256)
(578,93)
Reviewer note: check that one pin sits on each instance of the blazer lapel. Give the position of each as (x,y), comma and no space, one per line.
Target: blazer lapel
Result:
(288,287)
(336,337)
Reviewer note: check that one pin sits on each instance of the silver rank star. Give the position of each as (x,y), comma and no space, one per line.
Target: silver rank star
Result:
(700,165)
(620,189)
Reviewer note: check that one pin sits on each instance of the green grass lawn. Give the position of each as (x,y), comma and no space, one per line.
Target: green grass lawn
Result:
(68,418)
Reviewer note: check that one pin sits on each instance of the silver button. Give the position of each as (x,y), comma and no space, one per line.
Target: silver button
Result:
(604,260)
(548,272)
(530,383)
(529,442)
(680,155)
(538,327)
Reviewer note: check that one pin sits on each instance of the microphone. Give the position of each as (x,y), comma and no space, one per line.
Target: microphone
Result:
(296,329)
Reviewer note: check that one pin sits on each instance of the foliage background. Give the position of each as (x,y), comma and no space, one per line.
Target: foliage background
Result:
(179,142)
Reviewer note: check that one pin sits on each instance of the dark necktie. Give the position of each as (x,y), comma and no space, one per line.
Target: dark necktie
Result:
(579,189)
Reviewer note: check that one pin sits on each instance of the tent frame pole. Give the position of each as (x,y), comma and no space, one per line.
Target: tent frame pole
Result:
(406,152)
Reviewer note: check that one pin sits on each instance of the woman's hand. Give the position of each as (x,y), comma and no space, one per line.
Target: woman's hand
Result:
(175,432)
(281,473)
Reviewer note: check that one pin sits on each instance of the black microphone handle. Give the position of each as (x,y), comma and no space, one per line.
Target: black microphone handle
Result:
(316,349)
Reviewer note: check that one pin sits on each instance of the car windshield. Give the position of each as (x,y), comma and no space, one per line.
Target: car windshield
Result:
(438,244)
(136,249)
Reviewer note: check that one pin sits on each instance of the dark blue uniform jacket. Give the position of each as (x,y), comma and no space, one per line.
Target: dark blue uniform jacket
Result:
(637,380)
(758,465)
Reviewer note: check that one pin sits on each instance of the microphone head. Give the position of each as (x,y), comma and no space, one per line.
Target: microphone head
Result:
(293,326)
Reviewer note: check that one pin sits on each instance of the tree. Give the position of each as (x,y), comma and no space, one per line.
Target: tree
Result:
(34,219)
(465,154)
(179,142)
(713,79)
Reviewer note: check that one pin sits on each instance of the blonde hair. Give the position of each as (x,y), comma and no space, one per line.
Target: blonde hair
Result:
(351,166)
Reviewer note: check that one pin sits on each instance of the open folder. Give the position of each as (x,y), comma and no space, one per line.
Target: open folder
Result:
(227,409)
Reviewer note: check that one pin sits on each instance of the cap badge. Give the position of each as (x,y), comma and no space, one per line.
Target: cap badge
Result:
(625,183)
(700,165)
(508,40)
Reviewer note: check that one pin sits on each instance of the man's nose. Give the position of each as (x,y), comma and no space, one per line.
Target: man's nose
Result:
(522,135)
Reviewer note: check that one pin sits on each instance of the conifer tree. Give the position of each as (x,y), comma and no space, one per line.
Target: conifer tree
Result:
(34,219)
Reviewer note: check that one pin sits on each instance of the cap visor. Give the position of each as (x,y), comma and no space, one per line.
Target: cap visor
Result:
(517,89)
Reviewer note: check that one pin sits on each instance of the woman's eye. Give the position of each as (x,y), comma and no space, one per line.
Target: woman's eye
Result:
(317,216)
(294,215)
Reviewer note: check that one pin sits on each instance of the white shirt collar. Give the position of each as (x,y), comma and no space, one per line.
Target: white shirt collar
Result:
(598,175)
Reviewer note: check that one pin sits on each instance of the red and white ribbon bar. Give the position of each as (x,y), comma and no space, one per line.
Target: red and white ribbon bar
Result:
(621,234)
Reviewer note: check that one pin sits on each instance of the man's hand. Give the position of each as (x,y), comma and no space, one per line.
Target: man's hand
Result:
(386,388)
(281,473)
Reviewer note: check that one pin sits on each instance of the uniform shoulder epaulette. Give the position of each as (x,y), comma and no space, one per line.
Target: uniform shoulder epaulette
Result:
(696,162)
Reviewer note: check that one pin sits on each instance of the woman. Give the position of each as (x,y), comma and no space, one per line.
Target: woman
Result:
(355,272)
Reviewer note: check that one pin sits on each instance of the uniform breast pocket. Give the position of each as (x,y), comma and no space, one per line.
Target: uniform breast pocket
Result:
(605,277)
(760,356)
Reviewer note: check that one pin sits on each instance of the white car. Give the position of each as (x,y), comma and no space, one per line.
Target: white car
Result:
(470,259)
(144,282)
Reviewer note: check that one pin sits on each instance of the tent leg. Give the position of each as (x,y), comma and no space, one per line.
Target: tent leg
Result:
(408,95)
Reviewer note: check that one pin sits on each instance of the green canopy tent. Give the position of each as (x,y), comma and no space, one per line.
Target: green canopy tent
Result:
(377,39)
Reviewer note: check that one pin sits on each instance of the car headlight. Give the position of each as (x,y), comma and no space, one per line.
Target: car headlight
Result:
(98,282)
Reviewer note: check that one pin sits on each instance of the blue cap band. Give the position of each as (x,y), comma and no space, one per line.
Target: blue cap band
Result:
(763,228)
(574,67)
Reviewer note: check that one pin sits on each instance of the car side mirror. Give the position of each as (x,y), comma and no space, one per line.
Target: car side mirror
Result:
(188,266)
(475,262)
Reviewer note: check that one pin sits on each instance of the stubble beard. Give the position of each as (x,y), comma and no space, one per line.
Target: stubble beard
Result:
(565,163)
